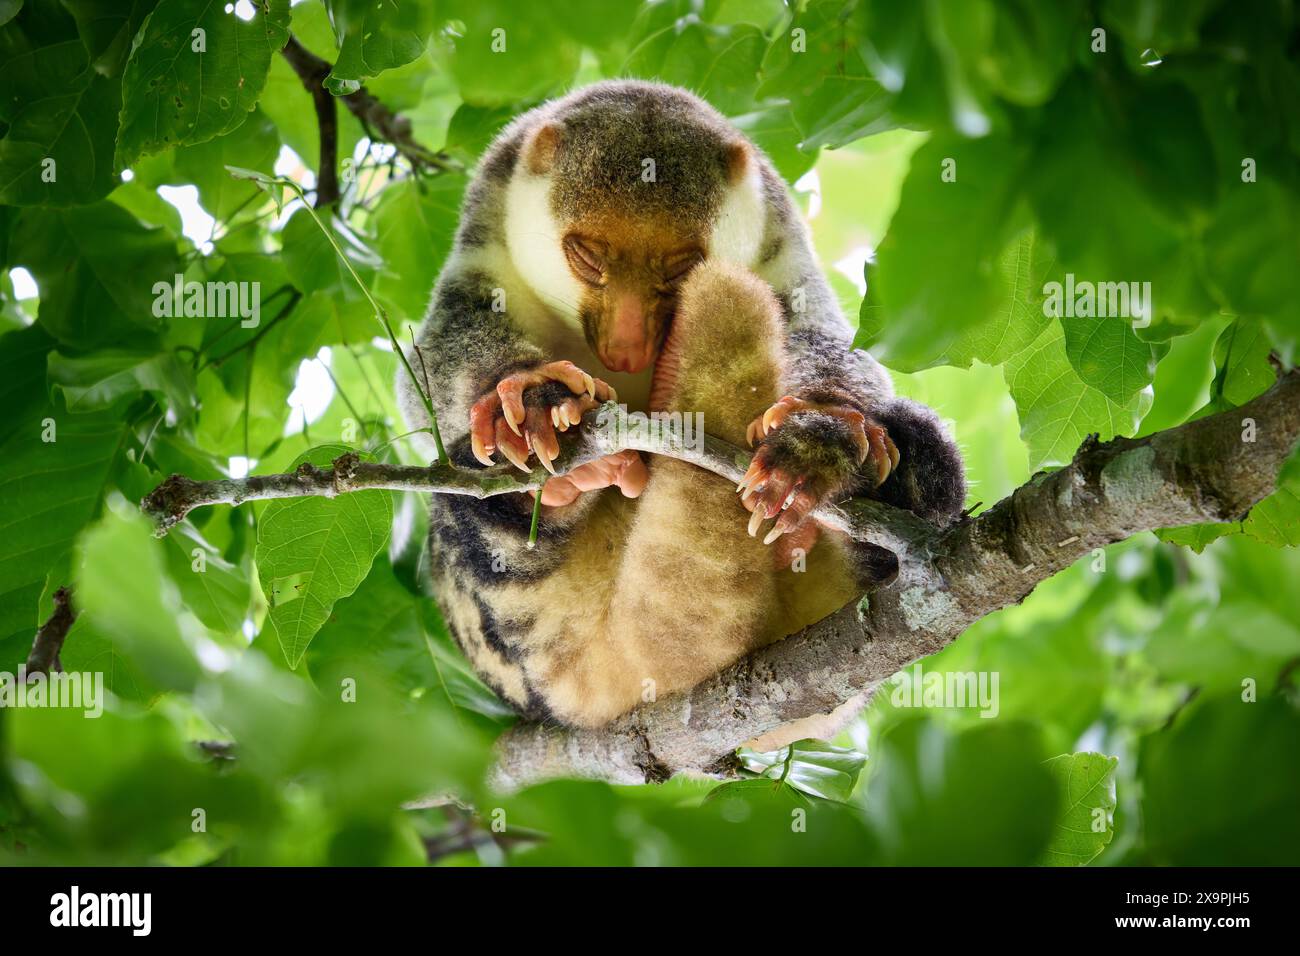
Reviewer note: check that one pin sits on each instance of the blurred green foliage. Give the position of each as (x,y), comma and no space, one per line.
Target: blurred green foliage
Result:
(952,159)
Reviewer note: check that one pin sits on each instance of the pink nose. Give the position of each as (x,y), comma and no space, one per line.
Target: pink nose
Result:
(625,358)
(626,349)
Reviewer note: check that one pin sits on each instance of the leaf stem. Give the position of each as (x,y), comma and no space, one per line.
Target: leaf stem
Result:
(380,313)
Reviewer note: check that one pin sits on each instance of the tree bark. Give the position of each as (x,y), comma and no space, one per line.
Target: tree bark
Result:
(1201,471)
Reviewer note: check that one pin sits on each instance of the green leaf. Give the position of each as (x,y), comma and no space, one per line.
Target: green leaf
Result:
(1215,645)
(1241,356)
(1057,409)
(195,72)
(1032,48)
(123,589)
(314,266)
(96,267)
(929,56)
(510,52)
(384,625)
(1220,786)
(57,467)
(471,128)
(1276,520)
(218,593)
(1197,536)
(99,379)
(720,63)
(831,95)
(374,37)
(981,797)
(1018,316)
(812,766)
(1108,356)
(313,551)
(457,683)
(1251,249)
(107,28)
(415,224)
(62,126)
(775,132)
(955,219)
(252,144)
(1095,183)
(1087,785)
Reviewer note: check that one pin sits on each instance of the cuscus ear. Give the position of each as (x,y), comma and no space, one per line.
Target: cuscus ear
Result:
(540,148)
(736,160)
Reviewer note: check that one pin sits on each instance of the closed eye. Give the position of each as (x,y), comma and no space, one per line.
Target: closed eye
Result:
(677,268)
(584,261)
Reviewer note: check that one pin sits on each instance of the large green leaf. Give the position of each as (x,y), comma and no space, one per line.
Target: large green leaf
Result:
(510,52)
(811,766)
(1195,806)
(252,145)
(374,37)
(196,71)
(718,62)
(313,551)
(956,217)
(384,625)
(61,119)
(218,592)
(314,266)
(1107,355)
(1018,316)
(414,225)
(107,28)
(1058,410)
(125,592)
(814,64)
(1085,825)
(100,379)
(57,467)
(97,267)
(981,797)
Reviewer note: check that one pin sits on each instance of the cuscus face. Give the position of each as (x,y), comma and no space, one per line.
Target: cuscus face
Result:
(630,272)
(613,204)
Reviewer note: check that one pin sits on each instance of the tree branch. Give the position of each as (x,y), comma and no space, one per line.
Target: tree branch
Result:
(44,656)
(1202,471)
(603,431)
(381,123)
(312,70)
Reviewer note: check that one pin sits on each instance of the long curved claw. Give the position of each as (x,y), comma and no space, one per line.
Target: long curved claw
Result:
(482,427)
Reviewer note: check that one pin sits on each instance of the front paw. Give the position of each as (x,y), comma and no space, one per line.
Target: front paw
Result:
(809,453)
(521,415)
